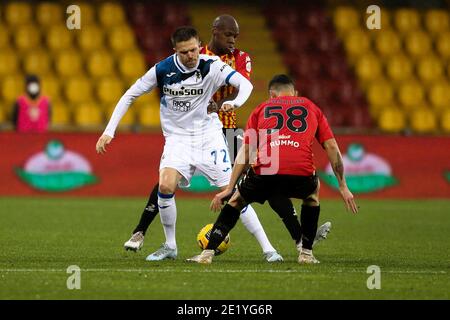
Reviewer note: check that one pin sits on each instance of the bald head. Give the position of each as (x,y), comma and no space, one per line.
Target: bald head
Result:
(225,30)
(225,21)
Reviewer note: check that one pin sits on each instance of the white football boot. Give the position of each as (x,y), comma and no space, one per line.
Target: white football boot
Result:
(307,257)
(136,242)
(322,232)
(163,253)
(205,257)
(273,256)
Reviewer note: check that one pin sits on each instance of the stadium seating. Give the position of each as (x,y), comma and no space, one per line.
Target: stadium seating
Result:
(88,115)
(49,14)
(445,121)
(408,78)
(316,58)
(84,72)
(91,37)
(392,120)
(423,120)
(10,62)
(100,63)
(36,61)
(109,90)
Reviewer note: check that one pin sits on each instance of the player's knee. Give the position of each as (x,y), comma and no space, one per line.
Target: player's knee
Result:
(166,188)
(237,202)
(311,202)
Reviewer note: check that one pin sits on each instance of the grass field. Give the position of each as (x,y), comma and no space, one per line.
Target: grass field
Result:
(40,238)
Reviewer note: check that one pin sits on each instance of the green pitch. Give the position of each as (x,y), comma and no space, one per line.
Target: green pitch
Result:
(41,238)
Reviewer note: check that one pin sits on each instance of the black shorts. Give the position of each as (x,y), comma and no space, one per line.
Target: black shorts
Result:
(234,138)
(259,188)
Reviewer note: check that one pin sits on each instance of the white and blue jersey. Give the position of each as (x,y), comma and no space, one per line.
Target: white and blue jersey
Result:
(185,94)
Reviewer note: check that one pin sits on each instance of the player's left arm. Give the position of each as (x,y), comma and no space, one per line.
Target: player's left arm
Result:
(244,87)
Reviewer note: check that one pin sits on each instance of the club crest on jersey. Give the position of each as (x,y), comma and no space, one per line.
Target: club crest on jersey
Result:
(186,92)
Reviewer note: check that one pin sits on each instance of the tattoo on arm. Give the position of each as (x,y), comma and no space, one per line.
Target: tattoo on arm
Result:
(338,167)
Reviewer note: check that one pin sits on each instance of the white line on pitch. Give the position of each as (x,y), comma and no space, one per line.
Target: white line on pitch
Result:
(224,271)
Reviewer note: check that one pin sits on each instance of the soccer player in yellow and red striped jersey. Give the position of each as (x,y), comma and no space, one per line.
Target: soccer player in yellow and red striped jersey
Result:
(238,60)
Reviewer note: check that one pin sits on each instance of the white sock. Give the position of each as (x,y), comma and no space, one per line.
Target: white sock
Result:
(168,216)
(252,224)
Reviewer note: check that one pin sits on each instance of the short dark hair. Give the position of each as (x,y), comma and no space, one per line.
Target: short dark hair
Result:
(31,78)
(184,33)
(280,80)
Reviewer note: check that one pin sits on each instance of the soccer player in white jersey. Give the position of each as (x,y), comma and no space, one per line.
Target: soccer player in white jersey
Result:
(193,137)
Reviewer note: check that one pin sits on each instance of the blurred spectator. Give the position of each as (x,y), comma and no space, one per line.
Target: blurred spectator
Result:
(32,111)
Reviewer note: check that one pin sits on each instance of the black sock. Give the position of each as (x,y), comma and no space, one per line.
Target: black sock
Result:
(150,212)
(309,218)
(225,222)
(285,209)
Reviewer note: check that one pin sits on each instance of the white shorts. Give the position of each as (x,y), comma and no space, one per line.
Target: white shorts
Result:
(207,155)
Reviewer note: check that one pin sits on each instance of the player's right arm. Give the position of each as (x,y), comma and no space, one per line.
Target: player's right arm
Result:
(143,85)
(334,155)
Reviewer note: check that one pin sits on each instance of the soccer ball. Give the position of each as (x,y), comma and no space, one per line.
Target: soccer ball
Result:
(203,240)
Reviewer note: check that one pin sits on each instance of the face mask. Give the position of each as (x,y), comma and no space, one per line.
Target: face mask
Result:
(33,89)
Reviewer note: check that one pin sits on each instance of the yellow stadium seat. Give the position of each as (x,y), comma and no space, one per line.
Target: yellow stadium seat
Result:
(437,21)
(379,94)
(439,95)
(392,120)
(9,62)
(87,14)
(109,90)
(12,86)
(3,116)
(78,90)
(387,42)
(429,68)
(443,45)
(411,94)
(346,19)
(445,121)
(60,114)
(399,68)
(88,114)
(149,117)
(406,20)
(59,38)
(68,63)
(111,14)
(121,39)
(36,62)
(127,120)
(423,120)
(4,37)
(90,38)
(386,18)
(27,37)
(149,100)
(49,13)
(368,68)
(417,44)
(356,43)
(132,66)
(100,63)
(18,13)
(51,86)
